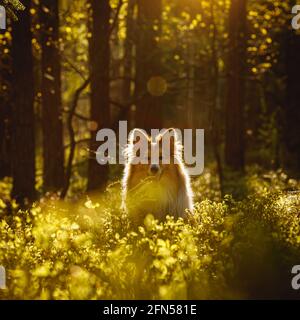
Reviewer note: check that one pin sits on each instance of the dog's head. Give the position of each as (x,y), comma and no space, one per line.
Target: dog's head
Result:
(154,155)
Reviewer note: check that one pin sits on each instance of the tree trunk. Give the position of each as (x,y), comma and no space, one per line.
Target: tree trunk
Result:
(5,115)
(128,55)
(234,139)
(215,115)
(190,98)
(148,66)
(5,154)
(52,126)
(99,56)
(291,111)
(128,51)
(5,169)
(23,133)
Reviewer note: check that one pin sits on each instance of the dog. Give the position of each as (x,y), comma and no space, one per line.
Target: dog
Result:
(151,186)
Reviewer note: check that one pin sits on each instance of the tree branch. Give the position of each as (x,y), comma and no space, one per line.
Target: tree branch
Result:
(113,25)
(72,136)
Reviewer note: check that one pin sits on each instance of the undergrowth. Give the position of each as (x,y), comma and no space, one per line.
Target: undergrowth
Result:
(88,249)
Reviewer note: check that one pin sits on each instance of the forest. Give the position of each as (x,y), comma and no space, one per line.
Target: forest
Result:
(70,68)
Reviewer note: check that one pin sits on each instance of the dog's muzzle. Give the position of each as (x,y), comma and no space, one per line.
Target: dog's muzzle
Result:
(154,169)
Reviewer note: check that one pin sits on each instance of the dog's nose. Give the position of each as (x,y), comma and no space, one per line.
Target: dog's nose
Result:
(154,168)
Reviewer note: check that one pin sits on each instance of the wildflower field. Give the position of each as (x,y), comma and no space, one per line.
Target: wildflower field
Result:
(88,249)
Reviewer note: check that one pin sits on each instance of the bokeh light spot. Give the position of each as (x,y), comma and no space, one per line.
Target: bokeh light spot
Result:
(157,86)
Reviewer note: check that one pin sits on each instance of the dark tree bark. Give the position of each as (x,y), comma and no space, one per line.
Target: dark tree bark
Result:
(99,56)
(234,137)
(215,128)
(23,133)
(127,94)
(291,110)
(52,125)
(148,65)
(128,52)
(5,115)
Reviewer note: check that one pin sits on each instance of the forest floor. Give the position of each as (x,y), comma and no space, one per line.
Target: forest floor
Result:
(87,249)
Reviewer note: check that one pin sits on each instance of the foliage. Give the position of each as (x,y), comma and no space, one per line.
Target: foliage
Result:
(89,250)
(12,6)
(240,246)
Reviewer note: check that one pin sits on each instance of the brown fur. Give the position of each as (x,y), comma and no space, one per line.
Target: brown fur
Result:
(166,192)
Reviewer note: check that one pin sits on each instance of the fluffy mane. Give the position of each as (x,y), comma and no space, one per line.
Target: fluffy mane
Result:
(184,198)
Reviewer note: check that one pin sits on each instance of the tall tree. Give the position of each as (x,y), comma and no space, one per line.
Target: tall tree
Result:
(99,57)
(23,133)
(5,111)
(128,64)
(52,126)
(234,137)
(128,51)
(149,80)
(216,109)
(5,116)
(291,111)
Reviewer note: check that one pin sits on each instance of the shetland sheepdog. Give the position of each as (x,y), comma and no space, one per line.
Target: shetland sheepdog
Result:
(152,187)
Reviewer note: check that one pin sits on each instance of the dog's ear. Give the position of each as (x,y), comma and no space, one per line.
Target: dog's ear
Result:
(137,134)
(136,139)
(173,138)
(170,131)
